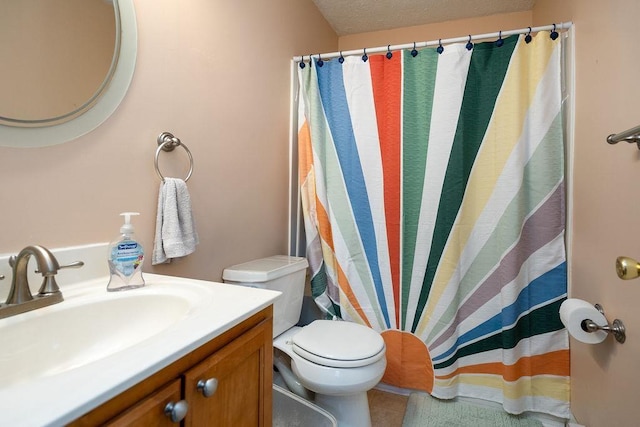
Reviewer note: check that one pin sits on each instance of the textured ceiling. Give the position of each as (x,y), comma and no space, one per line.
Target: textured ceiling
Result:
(360,16)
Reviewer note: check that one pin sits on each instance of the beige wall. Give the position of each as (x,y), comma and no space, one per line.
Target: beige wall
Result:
(214,73)
(605,377)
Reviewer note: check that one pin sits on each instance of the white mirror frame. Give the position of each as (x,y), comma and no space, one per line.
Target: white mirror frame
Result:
(29,137)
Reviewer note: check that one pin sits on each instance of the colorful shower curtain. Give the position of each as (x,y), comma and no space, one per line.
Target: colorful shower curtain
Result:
(434,210)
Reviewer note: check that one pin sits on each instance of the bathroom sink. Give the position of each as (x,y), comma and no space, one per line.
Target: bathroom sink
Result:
(82,330)
(59,362)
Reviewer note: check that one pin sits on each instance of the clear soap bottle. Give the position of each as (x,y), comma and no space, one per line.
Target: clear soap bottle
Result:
(126,257)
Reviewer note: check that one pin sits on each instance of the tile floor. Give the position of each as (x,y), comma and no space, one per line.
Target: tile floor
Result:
(387,409)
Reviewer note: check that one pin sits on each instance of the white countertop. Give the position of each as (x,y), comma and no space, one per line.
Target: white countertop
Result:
(58,398)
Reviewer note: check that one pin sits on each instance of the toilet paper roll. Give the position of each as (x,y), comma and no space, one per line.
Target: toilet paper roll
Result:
(573,312)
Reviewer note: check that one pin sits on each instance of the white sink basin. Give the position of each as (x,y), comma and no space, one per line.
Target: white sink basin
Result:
(82,330)
(61,361)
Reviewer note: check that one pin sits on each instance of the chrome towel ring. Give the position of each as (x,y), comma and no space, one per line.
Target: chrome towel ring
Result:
(167,142)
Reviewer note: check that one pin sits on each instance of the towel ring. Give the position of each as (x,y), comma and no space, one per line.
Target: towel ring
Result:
(167,142)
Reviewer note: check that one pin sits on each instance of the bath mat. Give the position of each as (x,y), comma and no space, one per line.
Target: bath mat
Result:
(426,411)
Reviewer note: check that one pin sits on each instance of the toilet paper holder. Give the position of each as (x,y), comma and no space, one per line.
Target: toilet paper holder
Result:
(616,328)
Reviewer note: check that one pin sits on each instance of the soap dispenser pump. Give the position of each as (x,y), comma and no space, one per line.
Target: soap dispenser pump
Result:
(126,257)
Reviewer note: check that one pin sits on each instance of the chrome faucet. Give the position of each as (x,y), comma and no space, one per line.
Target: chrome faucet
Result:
(20,298)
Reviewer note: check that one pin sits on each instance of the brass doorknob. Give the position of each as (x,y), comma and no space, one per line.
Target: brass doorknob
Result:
(627,268)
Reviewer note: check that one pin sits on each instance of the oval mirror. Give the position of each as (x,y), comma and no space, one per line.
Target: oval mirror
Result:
(68,66)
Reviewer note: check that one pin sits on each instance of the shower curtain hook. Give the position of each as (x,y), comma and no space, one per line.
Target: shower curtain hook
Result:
(499,42)
(302,64)
(440,49)
(389,54)
(320,61)
(527,38)
(554,33)
(341,59)
(469,45)
(365,57)
(414,52)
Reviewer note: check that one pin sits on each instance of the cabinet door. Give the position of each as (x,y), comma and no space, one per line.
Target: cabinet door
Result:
(150,411)
(239,383)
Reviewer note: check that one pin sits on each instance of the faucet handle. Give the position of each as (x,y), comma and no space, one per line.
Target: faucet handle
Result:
(74,264)
(49,285)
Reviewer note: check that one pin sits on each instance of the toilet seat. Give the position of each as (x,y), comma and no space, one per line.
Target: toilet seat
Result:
(342,390)
(338,344)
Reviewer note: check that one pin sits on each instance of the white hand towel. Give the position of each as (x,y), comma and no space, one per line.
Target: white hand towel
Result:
(176,234)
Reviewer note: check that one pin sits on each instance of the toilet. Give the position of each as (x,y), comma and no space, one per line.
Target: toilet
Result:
(338,361)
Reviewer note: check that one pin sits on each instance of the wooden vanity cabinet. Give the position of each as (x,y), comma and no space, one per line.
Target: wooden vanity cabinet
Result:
(239,365)
(237,397)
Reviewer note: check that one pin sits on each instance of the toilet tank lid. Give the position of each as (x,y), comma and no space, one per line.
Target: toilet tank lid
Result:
(264,269)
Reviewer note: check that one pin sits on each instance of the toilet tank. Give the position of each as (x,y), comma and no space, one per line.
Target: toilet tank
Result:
(281,273)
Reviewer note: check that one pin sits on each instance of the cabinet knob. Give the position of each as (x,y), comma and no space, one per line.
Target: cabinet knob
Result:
(208,387)
(176,410)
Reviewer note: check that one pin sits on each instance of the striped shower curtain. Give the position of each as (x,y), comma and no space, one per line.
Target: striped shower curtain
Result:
(434,210)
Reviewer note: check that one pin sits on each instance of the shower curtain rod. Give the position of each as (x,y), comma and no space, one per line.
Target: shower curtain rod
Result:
(561,26)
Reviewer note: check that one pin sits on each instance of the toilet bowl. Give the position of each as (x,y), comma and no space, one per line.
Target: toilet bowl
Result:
(337,360)
(340,379)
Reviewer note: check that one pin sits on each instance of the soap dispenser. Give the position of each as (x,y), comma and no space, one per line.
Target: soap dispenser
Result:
(126,257)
